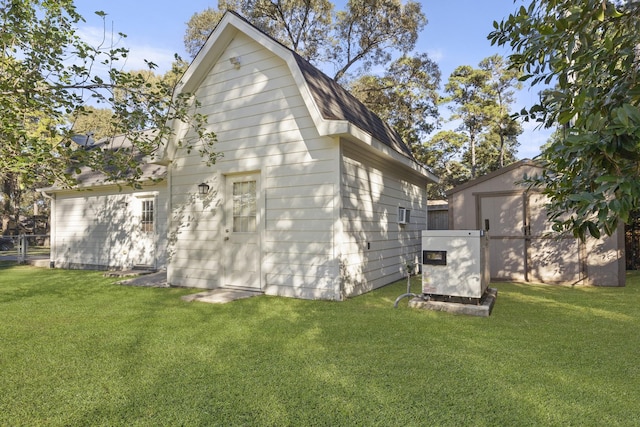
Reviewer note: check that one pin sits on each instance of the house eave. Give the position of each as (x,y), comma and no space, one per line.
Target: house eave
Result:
(98,184)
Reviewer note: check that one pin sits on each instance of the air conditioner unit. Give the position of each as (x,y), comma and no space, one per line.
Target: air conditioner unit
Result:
(455,263)
(403,215)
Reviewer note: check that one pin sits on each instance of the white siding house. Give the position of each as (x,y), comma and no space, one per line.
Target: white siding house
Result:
(102,226)
(304,201)
(313,197)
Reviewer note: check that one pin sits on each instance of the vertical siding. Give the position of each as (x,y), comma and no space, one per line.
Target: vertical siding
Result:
(438,219)
(540,256)
(262,126)
(376,247)
(101,228)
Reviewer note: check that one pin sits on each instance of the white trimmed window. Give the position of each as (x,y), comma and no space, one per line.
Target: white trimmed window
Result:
(147,215)
(404,215)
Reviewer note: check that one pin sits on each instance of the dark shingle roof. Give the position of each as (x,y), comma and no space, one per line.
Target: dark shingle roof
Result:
(336,103)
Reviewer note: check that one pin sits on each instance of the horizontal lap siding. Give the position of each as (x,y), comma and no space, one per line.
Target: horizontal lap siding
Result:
(98,228)
(262,125)
(375,247)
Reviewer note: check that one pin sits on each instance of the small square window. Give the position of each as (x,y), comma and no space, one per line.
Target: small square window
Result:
(404,215)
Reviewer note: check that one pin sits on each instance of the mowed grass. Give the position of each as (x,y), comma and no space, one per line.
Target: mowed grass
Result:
(76,349)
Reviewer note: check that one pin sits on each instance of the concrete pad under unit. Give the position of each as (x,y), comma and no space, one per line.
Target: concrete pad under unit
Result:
(483,309)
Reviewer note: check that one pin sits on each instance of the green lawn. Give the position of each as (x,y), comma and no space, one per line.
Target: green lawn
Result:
(75,349)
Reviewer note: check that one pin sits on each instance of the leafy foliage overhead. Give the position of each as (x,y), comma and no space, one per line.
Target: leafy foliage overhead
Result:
(363,35)
(48,74)
(590,51)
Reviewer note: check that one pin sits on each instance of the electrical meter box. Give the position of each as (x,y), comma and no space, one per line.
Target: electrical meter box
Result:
(455,263)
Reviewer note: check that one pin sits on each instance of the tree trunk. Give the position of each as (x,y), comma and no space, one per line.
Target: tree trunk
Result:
(472,146)
(501,150)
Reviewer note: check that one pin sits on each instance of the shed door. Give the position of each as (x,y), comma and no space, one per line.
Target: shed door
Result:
(521,248)
(241,245)
(550,258)
(502,215)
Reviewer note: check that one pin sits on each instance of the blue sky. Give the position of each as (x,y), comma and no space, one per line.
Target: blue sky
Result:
(455,35)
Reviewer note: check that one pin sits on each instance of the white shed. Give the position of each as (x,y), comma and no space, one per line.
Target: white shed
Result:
(522,244)
(314,196)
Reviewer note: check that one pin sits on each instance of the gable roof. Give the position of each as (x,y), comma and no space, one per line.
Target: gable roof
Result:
(336,103)
(491,175)
(333,109)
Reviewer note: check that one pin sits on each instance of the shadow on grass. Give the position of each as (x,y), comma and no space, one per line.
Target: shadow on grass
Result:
(92,353)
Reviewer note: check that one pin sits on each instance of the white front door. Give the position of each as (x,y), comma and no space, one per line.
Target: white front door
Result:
(145,235)
(243,223)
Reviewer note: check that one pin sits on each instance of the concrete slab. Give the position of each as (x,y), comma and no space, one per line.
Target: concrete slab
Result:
(159,280)
(483,309)
(220,296)
(156,279)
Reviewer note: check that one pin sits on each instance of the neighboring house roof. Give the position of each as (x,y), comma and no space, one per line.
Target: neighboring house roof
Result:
(501,171)
(90,178)
(437,205)
(334,110)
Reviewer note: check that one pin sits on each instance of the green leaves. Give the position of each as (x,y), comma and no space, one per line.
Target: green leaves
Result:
(590,52)
(49,76)
(481,98)
(366,33)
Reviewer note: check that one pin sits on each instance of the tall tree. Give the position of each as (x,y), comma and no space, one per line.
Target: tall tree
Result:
(468,91)
(501,85)
(199,27)
(405,96)
(366,33)
(481,99)
(92,121)
(442,154)
(590,51)
(302,25)
(47,73)
(497,146)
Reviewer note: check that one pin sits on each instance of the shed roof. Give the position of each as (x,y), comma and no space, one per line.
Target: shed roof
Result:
(494,174)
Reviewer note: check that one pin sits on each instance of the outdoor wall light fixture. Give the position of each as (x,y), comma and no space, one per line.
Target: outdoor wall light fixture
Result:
(203,189)
(235,61)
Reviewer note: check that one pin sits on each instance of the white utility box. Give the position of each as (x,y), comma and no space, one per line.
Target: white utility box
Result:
(455,263)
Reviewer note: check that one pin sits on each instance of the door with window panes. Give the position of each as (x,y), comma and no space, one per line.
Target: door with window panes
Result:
(241,245)
(145,238)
